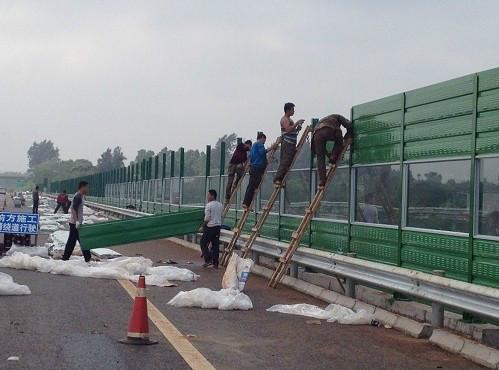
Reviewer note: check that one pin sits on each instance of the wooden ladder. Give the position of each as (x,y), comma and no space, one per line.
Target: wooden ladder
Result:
(296,237)
(235,189)
(247,211)
(255,231)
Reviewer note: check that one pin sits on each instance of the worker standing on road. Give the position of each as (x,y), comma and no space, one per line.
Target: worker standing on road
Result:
(236,167)
(329,129)
(289,134)
(36,199)
(75,220)
(62,201)
(211,230)
(258,163)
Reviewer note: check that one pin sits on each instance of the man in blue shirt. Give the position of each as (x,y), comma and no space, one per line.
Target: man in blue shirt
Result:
(258,162)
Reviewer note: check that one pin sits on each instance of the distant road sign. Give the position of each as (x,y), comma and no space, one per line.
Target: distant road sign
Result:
(19,223)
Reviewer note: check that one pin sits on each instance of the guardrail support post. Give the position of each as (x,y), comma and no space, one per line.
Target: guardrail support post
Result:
(255,256)
(437,309)
(350,287)
(293,270)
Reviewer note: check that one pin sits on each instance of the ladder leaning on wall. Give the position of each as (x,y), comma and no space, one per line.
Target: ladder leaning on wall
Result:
(239,227)
(255,231)
(296,237)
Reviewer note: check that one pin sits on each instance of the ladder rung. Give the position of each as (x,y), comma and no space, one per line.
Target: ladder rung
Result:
(254,229)
(282,259)
(295,235)
(236,229)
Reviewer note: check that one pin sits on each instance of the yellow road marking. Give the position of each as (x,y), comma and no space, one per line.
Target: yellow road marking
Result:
(185,348)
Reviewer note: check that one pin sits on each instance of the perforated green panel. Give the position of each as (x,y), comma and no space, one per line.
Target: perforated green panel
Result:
(329,236)
(429,251)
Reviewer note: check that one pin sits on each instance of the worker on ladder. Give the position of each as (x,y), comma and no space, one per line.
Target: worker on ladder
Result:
(258,164)
(237,166)
(329,129)
(289,133)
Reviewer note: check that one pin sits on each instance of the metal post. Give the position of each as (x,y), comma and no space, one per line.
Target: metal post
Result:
(473,183)
(181,175)
(156,167)
(350,287)
(208,169)
(403,180)
(293,270)
(163,172)
(437,309)
(222,167)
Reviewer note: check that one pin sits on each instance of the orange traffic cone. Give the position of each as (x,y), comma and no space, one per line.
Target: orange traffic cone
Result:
(138,327)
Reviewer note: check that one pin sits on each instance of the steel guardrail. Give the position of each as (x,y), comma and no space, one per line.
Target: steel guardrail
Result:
(475,299)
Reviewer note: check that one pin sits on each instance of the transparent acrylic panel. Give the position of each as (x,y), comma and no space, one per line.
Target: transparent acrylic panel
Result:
(175,190)
(193,191)
(488,197)
(378,194)
(438,195)
(214,183)
(335,202)
(297,192)
(266,189)
(166,190)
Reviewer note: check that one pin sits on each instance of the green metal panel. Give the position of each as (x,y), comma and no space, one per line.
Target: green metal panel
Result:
(271,227)
(375,243)
(447,127)
(376,107)
(440,91)
(287,226)
(487,141)
(134,230)
(488,79)
(445,147)
(486,262)
(329,236)
(429,251)
(376,131)
(442,109)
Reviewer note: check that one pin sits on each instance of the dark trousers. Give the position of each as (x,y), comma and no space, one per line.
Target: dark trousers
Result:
(73,237)
(59,205)
(35,206)
(235,171)
(255,178)
(211,235)
(319,141)
(288,152)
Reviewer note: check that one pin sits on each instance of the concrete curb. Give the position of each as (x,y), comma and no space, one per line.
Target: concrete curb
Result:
(448,341)
(467,348)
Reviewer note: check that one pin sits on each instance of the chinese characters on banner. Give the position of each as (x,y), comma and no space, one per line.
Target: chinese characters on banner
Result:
(19,223)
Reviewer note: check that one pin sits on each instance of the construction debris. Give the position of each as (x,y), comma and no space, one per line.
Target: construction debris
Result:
(9,287)
(225,299)
(118,268)
(332,313)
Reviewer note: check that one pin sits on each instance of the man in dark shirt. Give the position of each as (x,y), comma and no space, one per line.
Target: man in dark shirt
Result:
(236,167)
(36,199)
(329,129)
(75,220)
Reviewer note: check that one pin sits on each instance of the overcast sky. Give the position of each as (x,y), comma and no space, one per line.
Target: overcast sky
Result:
(147,74)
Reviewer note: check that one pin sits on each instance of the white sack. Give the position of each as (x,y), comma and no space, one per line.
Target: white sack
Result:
(105,253)
(332,313)
(237,272)
(8,287)
(224,299)
(173,273)
(128,268)
(31,251)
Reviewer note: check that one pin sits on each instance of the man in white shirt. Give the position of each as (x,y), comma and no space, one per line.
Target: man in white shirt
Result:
(211,229)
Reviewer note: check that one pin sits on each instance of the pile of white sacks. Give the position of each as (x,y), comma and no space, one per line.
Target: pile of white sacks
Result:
(128,268)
